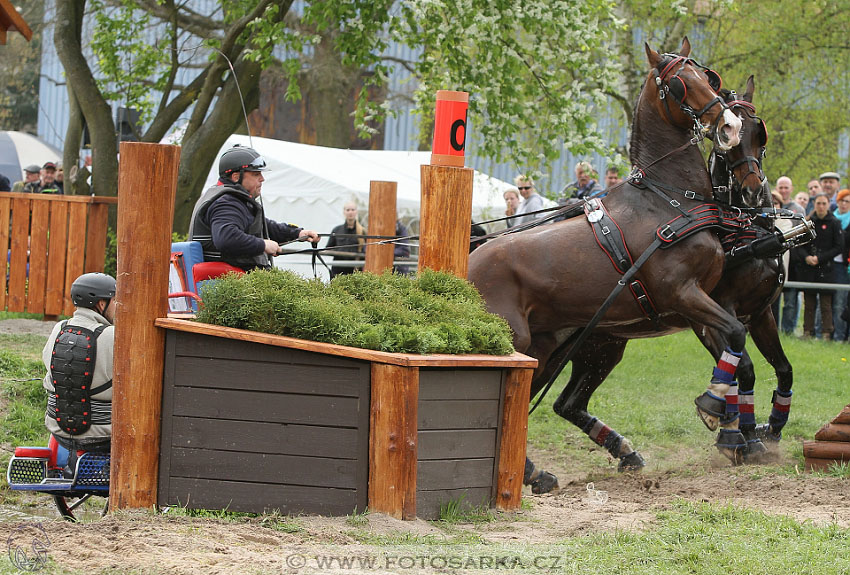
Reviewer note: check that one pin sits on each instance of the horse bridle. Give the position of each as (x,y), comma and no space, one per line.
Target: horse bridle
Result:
(752,162)
(677,88)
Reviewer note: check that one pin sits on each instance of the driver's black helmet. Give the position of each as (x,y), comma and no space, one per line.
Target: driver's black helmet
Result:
(240,159)
(88,289)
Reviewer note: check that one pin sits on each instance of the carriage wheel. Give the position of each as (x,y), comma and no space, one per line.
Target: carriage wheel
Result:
(67,505)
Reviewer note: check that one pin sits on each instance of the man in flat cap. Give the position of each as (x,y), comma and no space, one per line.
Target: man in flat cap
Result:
(829,183)
(30,183)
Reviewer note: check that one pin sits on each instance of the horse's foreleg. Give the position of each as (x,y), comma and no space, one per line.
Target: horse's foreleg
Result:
(723,386)
(591,365)
(766,337)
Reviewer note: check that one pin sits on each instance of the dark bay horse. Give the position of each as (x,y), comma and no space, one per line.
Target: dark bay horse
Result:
(549,282)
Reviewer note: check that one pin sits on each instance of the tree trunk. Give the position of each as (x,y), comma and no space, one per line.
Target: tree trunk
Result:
(97,112)
(328,86)
(73,137)
(200,150)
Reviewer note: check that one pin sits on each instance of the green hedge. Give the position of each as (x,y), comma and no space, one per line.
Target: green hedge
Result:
(433,312)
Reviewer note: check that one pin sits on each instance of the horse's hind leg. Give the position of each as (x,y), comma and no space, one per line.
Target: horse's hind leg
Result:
(591,365)
(766,337)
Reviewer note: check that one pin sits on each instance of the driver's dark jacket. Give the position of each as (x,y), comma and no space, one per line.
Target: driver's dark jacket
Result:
(231,227)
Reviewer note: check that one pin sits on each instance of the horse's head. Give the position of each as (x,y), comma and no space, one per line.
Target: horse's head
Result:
(739,170)
(694,89)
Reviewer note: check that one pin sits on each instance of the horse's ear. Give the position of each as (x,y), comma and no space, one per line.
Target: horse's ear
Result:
(652,55)
(751,87)
(686,48)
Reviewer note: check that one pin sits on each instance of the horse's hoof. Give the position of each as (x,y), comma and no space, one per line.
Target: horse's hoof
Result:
(731,443)
(545,482)
(631,462)
(754,451)
(766,434)
(710,409)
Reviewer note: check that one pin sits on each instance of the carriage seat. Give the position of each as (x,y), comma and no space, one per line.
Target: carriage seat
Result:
(204,271)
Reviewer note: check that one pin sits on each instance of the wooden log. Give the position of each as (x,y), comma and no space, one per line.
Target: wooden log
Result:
(147,183)
(393,440)
(5,218)
(513,440)
(54,302)
(843,417)
(834,432)
(838,450)
(382,218)
(445,219)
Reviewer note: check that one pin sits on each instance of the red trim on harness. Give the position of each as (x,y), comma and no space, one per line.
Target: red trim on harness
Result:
(670,65)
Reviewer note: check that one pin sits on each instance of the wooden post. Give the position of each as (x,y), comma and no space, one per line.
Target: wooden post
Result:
(514,437)
(392,440)
(147,183)
(382,218)
(445,219)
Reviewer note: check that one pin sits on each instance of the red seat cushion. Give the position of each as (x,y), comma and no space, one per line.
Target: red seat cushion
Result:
(42,452)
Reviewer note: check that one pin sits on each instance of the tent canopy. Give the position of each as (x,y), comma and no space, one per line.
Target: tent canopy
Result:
(308,185)
(19,149)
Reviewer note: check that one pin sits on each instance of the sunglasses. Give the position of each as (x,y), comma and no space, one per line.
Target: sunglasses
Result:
(524,187)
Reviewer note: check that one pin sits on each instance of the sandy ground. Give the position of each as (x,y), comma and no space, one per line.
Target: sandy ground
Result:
(160,543)
(147,542)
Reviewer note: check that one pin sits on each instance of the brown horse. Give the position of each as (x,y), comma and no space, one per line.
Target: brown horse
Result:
(550,281)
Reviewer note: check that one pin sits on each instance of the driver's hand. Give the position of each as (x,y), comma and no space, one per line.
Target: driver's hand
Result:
(272,247)
(308,236)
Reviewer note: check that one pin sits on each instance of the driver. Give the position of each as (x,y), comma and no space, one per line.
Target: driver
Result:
(78,359)
(230,223)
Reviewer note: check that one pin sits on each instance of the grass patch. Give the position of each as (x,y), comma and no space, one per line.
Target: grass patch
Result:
(434,312)
(649,396)
(459,511)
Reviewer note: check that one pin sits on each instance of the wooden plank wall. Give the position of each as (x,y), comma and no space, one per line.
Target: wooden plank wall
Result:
(49,241)
(292,437)
(459,421)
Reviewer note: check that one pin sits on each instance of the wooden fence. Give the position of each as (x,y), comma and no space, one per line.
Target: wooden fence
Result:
(49,241)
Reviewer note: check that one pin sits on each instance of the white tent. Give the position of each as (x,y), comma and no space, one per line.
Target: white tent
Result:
(308,185)
(19,150)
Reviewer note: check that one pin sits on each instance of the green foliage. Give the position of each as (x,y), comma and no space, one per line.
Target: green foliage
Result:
(130,66)
(432,313)
(110,263)
(23,398)
(648,398)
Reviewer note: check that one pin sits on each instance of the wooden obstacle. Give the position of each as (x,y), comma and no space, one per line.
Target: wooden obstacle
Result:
(831,444)
(54,239)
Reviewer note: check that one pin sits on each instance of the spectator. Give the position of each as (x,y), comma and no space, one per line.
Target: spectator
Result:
(785,188)
(5,185)
(47,184)
(30,182)
(60,177)
(347,237)
(511,205)
(531,200)
(584,187)
(231,224)
(79,381)
(829,184)
(612,178)
(402,248)
(841,276)
(783,225)
(813,188)
(814,264)
(802,200)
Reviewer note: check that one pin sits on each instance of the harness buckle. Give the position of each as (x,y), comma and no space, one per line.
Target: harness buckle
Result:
(666,233)
(605,230)
(675,203)
(690,194)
